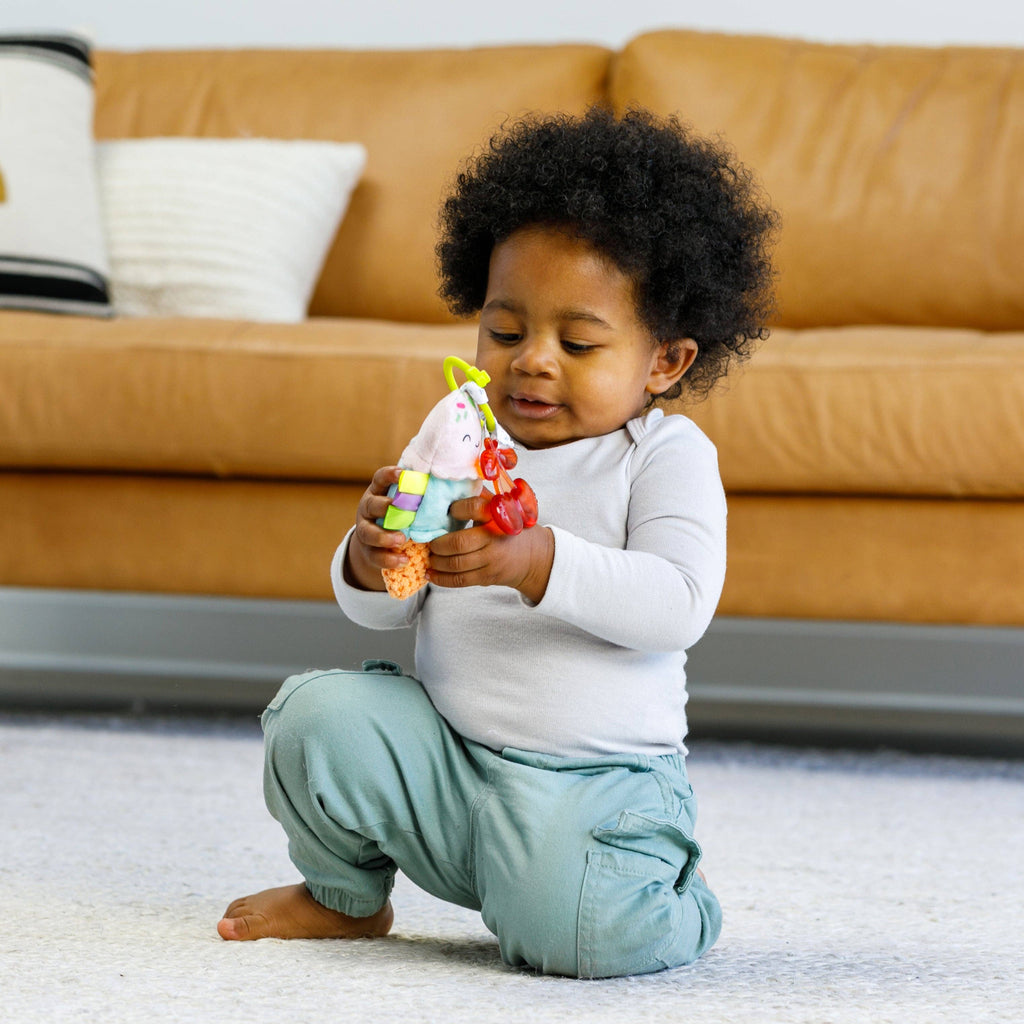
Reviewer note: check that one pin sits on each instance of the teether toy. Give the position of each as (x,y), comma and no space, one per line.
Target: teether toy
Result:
(458,446)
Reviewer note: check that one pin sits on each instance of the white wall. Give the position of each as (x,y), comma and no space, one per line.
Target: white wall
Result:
(143,24)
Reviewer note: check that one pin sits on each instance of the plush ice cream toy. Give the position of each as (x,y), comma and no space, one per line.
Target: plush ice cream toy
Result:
(458,447)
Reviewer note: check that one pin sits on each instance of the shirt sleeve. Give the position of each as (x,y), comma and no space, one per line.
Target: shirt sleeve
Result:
(371,608)
(660,593)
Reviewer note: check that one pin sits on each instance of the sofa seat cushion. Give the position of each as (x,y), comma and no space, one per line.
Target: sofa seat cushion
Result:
(173,534)
(323,400)
(874,410)
(845,411)
(927,561)
(882,559)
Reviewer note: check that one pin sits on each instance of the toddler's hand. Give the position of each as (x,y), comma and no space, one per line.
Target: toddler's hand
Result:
(372,548)
(481,556)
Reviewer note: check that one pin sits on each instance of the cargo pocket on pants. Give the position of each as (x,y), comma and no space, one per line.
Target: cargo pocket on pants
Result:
(631,902)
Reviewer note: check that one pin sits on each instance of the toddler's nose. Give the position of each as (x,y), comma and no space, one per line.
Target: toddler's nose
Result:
(536,356)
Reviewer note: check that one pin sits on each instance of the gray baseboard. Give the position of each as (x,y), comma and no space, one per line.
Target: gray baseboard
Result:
(140,652)
(953,688)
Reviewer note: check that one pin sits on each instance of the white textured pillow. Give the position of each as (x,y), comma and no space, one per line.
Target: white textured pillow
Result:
(226,228)
(52,254)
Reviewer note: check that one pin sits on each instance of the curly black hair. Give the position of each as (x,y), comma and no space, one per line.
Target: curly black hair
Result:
(673,211)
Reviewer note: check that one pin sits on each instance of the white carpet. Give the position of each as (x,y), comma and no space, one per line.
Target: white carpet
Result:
(856,888)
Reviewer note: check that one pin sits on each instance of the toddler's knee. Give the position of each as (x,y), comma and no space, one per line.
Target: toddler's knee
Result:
(324,727)
(291,720)
(352,719)
(297,697)
(335,700)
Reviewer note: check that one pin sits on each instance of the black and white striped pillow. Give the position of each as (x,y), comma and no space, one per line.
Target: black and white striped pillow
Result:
(52,251)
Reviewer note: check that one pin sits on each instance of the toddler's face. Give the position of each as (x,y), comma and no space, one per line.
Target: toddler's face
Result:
(559,335)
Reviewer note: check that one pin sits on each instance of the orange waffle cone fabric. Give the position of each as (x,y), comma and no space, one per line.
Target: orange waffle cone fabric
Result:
(404,582)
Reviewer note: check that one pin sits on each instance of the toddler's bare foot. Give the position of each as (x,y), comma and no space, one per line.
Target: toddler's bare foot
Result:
(291,913)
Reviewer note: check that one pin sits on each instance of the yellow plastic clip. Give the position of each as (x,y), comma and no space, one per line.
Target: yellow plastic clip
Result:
(480,377)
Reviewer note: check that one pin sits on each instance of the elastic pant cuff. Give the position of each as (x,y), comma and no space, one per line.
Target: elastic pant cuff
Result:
(343,902)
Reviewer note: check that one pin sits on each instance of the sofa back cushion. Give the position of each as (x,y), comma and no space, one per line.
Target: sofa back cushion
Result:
(897,170)
(419,114)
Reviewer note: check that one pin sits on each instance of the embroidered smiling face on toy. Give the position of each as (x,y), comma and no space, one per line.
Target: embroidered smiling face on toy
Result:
(449,441)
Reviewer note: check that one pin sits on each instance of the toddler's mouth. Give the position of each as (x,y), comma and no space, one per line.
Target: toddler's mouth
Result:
(532,408)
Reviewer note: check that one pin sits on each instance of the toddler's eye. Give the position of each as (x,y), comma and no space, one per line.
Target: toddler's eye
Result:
(504,338)
(575,348)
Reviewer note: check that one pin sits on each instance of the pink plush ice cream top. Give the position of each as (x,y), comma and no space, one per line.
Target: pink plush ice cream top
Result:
(449,441)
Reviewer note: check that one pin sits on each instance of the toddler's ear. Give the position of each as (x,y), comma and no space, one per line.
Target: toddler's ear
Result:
(671,360)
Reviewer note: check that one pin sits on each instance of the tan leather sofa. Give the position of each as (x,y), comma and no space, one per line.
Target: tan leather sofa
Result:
(873,449)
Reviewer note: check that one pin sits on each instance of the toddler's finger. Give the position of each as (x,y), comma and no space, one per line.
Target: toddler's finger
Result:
(374,506)
(472,510)
(384,478)
(383,558)
(372,536)
(460,542)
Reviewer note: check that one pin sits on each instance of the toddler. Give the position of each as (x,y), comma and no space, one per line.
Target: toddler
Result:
(533,767)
